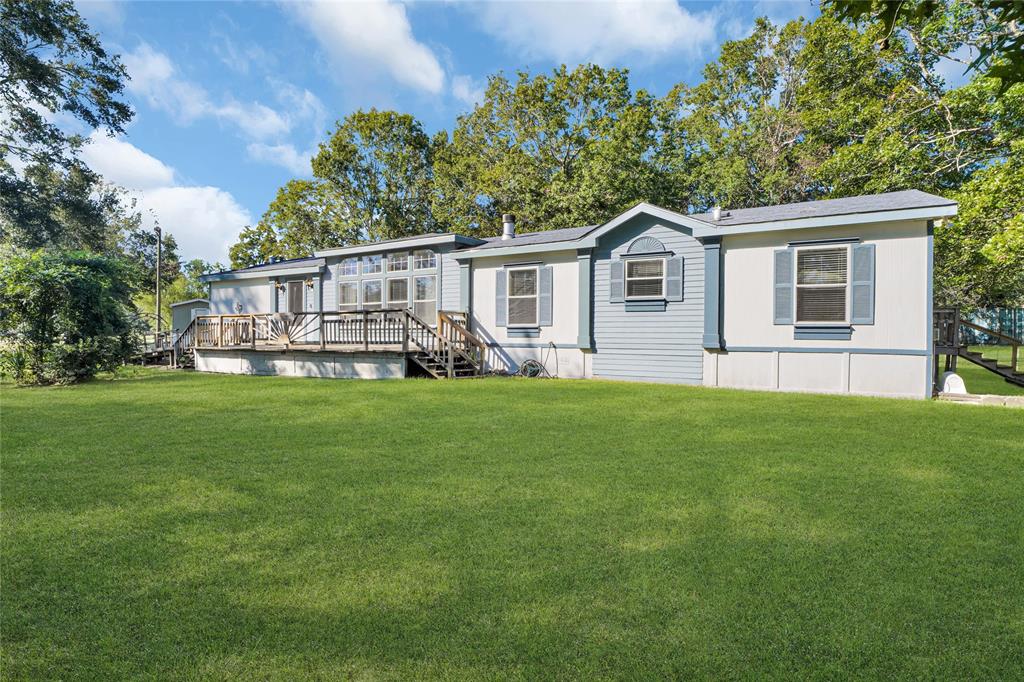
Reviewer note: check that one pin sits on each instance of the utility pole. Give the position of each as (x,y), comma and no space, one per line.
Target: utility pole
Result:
(159,246)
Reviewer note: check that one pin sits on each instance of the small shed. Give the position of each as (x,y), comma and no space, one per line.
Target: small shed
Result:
(184,312)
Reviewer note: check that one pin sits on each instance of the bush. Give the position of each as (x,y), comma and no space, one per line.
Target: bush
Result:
(64,316)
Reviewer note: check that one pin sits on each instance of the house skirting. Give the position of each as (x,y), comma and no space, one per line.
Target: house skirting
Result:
(355,365)
(874,372)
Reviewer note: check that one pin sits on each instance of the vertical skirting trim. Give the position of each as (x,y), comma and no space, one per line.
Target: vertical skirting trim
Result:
(930,321)
(712,293)
(465,284)
(775,369)
(585,268)
(845,380)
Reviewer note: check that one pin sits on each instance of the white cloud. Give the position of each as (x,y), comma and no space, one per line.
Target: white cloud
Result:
(467,90)
(124,164)
(105,12)
(284,155)
(597,31)
(372,35)
(155,78)
(204,220)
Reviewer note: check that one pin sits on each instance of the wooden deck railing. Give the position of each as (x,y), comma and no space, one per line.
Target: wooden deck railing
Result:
(397,329)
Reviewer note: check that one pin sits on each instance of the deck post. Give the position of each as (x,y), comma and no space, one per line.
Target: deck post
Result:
(323,339)
(220,331)
(451,358)
(405,331)
(366,330)
(252,331)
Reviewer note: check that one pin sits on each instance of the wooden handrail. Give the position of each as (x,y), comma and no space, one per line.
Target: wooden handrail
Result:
(991,332)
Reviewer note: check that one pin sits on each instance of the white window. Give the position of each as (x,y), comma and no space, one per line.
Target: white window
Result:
(372,293)
(349,267)
(424,259)
(348,296)
(425,298)
(522,297)
(645,278)
(372,265)
(821,280)
(398,262)
(398,293)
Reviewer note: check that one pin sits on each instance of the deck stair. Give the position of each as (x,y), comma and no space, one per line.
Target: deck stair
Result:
(951,340)
(447,350)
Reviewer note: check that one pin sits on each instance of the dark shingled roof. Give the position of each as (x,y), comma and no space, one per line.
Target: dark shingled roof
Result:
(311,260)
(564,234)
(893,201)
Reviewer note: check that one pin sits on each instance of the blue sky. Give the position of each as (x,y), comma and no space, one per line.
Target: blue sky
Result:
(231,99)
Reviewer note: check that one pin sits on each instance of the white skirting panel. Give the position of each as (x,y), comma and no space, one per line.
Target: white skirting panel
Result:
(300,364)
(874,374)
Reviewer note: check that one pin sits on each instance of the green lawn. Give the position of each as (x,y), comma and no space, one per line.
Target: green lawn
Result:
(979,380)
(196,526)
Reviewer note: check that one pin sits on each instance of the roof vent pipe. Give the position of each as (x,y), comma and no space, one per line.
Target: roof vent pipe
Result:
(716,213)
(508,226)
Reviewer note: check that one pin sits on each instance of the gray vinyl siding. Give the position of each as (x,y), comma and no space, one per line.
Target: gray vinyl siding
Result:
(651,346)
(449,283)
(329,290)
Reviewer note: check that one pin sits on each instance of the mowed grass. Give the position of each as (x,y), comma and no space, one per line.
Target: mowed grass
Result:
(179,525)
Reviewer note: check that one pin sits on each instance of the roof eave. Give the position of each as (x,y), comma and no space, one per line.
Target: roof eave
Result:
(923,213)
(422,240)
(304,269)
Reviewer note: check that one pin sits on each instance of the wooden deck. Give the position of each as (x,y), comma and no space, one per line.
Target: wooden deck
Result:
(445,350)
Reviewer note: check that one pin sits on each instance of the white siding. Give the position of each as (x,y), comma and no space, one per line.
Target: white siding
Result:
(253,294)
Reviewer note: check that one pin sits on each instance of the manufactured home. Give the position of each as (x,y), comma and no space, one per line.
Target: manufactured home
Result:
(827,296)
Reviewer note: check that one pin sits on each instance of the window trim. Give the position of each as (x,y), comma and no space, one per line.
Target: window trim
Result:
(341,266)
(362,264)
(362,292)
(415,260)
(535,296)
(797,322)
(626,278)
(413,300)
(387,261)
(354,306)
(387,287)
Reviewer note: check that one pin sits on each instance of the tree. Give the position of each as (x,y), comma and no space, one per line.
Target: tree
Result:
(63,316)
(310,215)
(994,28)
(378,171)
(51,63)
(139,247)
(558,150)
(979,259)
(256,244)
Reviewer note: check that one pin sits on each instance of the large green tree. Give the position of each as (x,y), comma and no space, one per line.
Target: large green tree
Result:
(560,149)
(50,64)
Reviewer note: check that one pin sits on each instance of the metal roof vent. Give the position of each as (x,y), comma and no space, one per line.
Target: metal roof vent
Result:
(508,226)
(716,213)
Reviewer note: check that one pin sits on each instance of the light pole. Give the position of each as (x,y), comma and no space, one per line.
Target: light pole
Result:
(159,245)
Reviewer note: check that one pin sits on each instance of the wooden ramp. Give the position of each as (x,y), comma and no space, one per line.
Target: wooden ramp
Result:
(1001,356)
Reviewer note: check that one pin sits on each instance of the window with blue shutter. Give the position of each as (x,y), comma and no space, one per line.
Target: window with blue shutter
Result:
(674,279)
(862,284)
(500,299)
(546,281)
(783,294)
(617,283)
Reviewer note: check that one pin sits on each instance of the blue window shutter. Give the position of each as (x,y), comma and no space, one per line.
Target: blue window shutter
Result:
(784,286)
(617,285)
(544,302)
(500,305)
(674,279)
(862,284)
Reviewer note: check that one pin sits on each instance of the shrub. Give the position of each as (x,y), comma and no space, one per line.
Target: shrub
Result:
(64,316)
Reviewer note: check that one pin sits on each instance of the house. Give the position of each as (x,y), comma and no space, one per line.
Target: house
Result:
(827,296)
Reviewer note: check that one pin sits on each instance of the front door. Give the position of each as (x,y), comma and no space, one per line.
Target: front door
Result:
(295,297)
